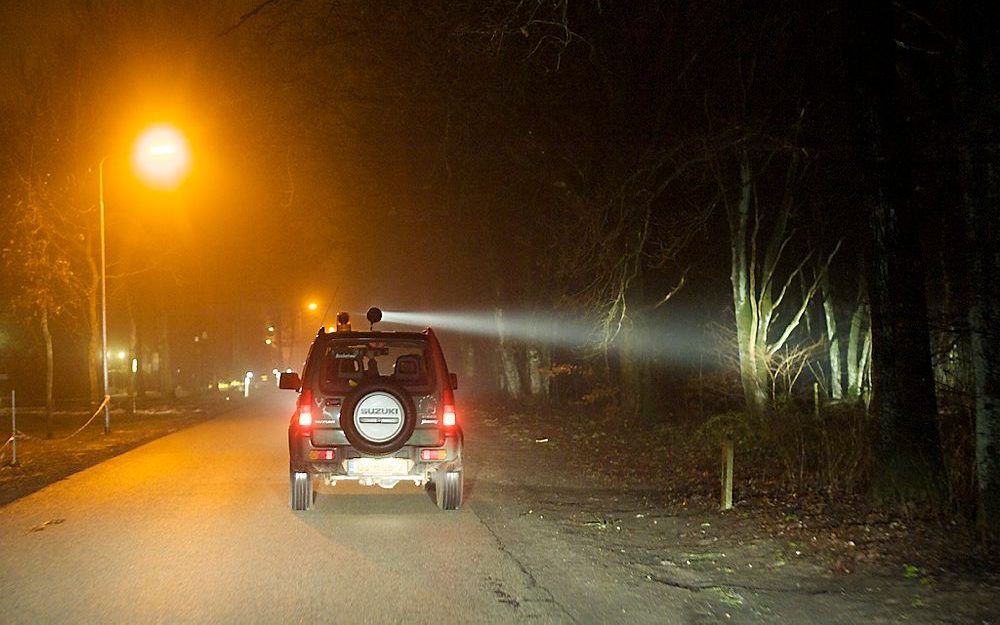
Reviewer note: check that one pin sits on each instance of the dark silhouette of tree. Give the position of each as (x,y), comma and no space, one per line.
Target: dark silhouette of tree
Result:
(910,467)
(978,98)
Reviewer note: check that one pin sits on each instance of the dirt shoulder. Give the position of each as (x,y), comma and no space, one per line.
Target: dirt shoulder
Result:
(610,538)
(42,460)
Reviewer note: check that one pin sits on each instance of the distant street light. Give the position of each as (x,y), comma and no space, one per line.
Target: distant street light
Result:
(297,330)
(162,158)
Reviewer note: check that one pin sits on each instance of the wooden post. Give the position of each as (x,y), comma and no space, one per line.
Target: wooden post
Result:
(816,398)
(727,474)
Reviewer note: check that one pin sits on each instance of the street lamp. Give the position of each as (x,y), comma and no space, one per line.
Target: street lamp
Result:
(162,158)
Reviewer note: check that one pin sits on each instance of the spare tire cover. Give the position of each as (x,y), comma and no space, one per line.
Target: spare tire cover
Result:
(378,418)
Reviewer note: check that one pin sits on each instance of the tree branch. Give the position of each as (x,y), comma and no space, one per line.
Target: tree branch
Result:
(248,16)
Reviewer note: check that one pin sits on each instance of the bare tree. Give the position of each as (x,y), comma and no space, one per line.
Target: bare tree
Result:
(848,355)
(38,267)
(624,241)
(760,236)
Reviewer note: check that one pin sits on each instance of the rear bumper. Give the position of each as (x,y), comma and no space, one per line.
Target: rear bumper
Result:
(336,469)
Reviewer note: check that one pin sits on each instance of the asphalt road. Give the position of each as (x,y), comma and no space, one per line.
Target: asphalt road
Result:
(195,527)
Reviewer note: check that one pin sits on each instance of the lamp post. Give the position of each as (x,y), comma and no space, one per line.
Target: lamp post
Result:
(162,158)
(104,302)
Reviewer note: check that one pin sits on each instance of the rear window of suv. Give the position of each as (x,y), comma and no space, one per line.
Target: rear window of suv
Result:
(346,363)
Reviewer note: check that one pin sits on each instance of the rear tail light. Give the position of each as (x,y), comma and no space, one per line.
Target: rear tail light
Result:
(448,418)
(305,417)
(322,454)
(433,454)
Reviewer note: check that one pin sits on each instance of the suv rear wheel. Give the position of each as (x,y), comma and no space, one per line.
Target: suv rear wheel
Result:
(300,490)
(448,489)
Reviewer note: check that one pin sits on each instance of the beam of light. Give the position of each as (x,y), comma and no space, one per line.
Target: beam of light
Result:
(670,341)
(515,326)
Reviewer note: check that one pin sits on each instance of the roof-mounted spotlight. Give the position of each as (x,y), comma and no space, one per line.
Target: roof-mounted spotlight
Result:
(343,322)
(374,316)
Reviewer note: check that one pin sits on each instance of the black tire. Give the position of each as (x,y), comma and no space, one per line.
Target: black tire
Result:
(300,491)
(448,486)
(358,440)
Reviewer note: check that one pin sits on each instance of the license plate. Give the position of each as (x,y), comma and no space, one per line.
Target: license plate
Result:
(377,466)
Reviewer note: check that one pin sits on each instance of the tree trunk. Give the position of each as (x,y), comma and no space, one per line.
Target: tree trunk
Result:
(545,365)
(753,380)
(833,340)
(133,345)
(510,375)
(637,392)
(859,346)
(910,466)
(539,372)
(539,361)
(984,325)
(533,356)
(167,385)
(49,361)
(979,64)
(139,353)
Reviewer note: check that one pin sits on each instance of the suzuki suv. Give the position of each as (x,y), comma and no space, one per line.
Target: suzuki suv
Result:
(377,408)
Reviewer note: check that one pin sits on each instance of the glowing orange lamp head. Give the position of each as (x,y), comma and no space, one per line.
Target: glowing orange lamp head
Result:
(161,156)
